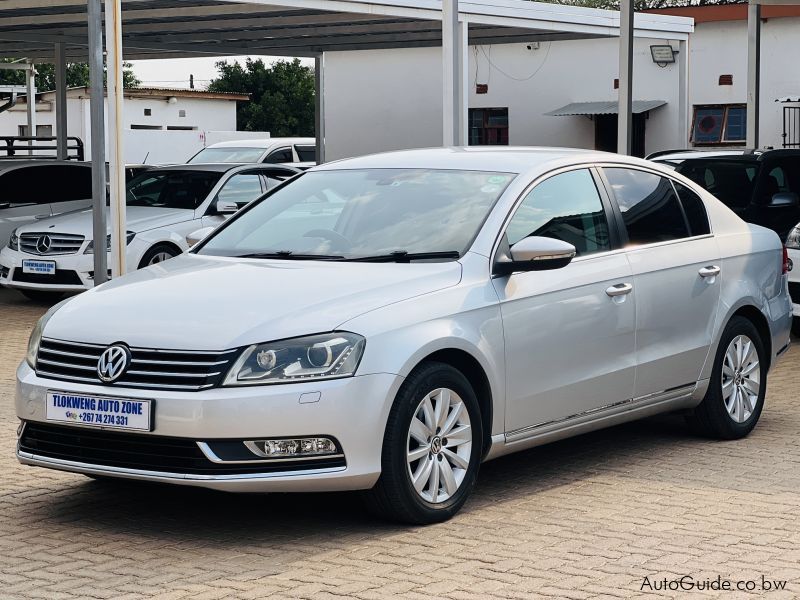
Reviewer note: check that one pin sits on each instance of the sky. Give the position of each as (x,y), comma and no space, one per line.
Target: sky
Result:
(175,72)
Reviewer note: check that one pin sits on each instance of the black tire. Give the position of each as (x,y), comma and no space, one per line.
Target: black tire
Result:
(711,417)
(796,326)
(172,251)
(394,496)
(42,296)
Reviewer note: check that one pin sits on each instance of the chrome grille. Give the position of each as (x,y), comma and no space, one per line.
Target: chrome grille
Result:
(50,244)
(150,368)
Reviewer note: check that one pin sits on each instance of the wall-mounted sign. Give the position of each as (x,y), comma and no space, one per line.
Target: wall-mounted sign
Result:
(481,88)
(662,54)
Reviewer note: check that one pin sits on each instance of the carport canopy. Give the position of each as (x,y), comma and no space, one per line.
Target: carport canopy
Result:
(60,31)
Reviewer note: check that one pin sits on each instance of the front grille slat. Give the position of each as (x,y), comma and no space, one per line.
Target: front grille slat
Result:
(59,243)
(190,370)
(145,452)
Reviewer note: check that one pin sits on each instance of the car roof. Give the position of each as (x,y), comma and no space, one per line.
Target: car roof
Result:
(505,159)
(263,142)
(206,167)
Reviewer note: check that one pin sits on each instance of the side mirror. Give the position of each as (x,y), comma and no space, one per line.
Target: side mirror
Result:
(198,235)
(226,207)
(535,253)
(784,200)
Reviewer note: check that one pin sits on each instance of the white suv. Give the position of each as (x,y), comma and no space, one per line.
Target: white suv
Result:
(388,323)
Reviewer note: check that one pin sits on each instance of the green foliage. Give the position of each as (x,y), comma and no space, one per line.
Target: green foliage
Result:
(77,76)
(281,95)
(642,4)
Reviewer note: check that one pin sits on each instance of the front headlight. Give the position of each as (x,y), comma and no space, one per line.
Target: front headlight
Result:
(36,335)
(13,242)
(324,356)
(129,235)
(793,239)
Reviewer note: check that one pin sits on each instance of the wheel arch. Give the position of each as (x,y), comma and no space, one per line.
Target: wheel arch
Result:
(167,243)
(471,368)
(757,318)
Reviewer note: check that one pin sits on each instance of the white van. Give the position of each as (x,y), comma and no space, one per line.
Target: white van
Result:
(268,150)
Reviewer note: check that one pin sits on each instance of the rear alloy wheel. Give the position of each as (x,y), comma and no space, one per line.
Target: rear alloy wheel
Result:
(738,384)
(158,254)
(431,449)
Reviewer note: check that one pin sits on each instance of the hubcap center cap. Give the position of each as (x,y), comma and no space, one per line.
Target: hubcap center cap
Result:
(436,445)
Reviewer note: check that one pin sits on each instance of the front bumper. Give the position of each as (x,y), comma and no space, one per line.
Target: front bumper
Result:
(74,272)
(354,411)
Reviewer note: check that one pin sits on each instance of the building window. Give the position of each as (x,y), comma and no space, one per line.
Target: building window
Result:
(41,131)
(136,126)
(181,128)
(488,126)
(719,124)
(181,113)
(148,112)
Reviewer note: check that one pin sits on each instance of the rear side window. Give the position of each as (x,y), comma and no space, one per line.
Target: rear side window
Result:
(650,208)
(68,183)
(44,184)
(694,209)
(566,207)
(306,153)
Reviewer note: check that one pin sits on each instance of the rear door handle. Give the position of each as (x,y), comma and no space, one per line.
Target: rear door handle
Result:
(619,289)
(710,271)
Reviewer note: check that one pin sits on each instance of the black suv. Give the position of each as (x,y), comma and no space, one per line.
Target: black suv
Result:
(761,186)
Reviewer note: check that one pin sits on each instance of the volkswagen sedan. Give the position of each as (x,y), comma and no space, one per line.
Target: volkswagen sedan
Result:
(388,323)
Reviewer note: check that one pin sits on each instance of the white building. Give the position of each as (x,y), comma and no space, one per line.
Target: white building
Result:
(718,74)
(161,125)
(515,89)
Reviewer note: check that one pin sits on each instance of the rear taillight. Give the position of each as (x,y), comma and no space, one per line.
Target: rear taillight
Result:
(785,266)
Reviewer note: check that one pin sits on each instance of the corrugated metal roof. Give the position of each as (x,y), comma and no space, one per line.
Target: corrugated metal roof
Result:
(603,108)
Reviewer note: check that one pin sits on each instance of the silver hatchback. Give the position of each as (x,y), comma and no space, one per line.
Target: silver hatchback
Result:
(388,323)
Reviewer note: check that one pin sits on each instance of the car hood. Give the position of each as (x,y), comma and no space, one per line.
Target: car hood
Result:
(209,303)
(138,219)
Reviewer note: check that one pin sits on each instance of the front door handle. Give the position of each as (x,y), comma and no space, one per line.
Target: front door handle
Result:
(619,289)
(710,271)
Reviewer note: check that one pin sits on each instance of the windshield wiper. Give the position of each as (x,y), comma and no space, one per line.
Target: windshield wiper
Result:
(403,256)
(289,255)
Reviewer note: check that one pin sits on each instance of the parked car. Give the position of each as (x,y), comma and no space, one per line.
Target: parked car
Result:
(762,187)
(297,152)
(31,190)
(43,260)
(387,323)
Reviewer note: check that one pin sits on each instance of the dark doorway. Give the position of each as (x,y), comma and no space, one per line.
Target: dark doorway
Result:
(605,133)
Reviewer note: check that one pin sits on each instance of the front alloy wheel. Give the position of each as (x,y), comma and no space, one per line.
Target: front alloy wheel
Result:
(439,445)
(431,448)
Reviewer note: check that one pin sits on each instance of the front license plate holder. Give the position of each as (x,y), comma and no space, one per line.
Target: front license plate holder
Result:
(100,412)
(39,267)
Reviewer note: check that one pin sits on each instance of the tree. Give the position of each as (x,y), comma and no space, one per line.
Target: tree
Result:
(77,76)
(643,4)
(281,95)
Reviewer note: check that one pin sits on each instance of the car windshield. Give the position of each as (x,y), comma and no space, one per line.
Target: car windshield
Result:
(363,214)
(228,155)
(171,189)
(731,181)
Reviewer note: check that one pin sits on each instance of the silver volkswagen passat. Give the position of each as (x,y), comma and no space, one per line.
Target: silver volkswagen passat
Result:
(388,323)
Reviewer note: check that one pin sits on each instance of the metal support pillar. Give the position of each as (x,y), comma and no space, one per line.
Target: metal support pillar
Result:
(451,49)
(319,106)
(462,138)
(98,139)
(753,73)
(625,109)
(683,95)
(30,89)
(116,159)
(61,101)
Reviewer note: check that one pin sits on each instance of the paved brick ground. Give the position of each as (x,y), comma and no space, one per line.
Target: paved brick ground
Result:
(588,517)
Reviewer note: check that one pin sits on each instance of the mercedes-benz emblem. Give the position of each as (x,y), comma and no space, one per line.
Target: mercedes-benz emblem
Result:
(113,362)
(43,244)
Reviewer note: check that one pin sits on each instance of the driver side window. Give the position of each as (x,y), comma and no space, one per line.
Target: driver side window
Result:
(566,207)
(241,189)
